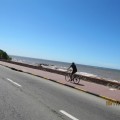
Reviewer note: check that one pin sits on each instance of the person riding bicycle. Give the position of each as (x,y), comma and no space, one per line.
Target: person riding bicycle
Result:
(74,70)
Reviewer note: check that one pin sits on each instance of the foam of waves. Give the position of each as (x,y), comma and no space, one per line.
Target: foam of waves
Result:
(60,68)
(86,74)
(49,66)
(20,61)
(64,69)
(113,80)
(23,61)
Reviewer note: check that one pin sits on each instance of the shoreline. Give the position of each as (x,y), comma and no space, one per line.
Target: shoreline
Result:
(90,71)
(23,57)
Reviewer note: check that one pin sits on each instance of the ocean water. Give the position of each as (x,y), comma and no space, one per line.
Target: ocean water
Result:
(109,74)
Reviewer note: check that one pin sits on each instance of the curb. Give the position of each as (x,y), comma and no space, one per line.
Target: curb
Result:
(97,95)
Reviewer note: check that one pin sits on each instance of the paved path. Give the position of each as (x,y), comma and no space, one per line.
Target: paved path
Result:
(91,88)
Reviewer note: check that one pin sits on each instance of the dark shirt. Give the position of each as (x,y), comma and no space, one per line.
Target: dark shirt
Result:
(74,67)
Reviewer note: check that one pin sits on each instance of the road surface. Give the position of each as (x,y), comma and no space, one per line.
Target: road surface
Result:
(27,97)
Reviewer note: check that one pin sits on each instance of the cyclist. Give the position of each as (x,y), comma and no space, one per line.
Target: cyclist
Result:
(74,70)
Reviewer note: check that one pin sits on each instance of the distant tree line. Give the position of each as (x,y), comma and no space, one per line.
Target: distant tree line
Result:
(4,55)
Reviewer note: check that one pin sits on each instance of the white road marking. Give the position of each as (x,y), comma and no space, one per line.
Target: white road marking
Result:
(14,82)
(68,115)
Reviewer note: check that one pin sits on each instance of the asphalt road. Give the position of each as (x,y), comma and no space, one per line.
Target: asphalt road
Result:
(26,97)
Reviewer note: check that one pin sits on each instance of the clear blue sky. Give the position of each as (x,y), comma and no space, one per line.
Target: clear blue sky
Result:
(83,31)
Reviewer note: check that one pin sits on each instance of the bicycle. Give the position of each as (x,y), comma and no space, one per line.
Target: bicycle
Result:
(75,79)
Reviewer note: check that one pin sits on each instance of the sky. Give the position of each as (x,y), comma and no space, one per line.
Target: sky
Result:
(81,31)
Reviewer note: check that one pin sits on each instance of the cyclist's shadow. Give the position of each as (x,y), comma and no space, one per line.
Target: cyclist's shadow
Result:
(77,83)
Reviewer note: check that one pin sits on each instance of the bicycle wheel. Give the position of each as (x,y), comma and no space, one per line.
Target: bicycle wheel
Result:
(67,77)
(76,80)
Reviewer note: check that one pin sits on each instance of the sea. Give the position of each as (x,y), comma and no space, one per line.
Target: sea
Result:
(92,71)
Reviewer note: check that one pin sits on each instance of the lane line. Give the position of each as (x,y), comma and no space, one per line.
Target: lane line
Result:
(68,115)
(14,82)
